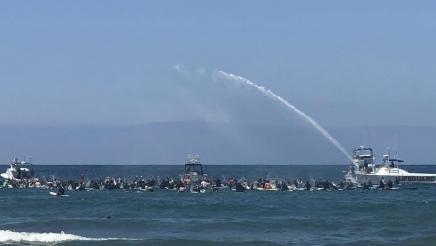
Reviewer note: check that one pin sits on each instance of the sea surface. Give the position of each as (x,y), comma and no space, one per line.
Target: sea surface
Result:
(358,217)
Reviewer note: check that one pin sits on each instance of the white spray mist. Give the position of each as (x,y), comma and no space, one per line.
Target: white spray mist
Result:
(291,107)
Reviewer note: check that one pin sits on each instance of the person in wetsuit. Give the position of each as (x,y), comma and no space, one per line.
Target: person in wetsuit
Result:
(308,186)
(326,185)
(365,186)
(239,187)
(61,191)
(218,182)
(390,184)
(381,184)
(284,186)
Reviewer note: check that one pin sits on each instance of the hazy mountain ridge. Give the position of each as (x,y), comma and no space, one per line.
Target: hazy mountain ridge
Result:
(168,143)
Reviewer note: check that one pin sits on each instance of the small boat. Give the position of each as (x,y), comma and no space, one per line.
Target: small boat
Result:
(194,177)
(194,169)
(18,171)
(364,170)
(193,172)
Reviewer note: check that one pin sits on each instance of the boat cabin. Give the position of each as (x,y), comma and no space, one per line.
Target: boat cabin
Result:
(391,162)
(18,170)
(364,158)
(193,165)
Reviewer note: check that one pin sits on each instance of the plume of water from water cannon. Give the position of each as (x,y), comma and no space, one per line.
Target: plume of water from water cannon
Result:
(272,95)
(291,107)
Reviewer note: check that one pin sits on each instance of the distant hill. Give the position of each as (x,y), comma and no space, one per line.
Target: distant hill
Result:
(168,143)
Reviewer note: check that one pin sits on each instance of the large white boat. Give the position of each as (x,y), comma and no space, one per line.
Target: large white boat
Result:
(18,171)
(365,171)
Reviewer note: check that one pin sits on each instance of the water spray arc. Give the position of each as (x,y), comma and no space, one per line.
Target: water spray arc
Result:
(291,107)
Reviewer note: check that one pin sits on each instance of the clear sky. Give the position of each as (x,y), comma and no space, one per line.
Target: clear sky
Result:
(105,62)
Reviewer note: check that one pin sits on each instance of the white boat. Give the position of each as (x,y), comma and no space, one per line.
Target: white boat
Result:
(364,170)
(193,169)
(18,171)
(194,177)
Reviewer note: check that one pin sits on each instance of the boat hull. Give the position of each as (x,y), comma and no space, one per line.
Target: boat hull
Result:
(410,178)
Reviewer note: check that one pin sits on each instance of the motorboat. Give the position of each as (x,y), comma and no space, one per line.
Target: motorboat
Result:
(193,169)
(364,170)
(194,176)
(18,171)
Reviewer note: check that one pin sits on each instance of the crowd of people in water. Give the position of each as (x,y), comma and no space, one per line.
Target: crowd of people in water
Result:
(189,184)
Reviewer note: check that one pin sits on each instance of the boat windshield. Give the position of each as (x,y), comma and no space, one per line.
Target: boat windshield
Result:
(392,162)
(364,155)
(191,168)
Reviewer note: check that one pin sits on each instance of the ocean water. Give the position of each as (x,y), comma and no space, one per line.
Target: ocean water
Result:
(32,217)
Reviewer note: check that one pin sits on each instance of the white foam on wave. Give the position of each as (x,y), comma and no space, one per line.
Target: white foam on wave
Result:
(47,237)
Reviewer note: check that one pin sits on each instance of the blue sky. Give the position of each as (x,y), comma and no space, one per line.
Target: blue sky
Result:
(106,63)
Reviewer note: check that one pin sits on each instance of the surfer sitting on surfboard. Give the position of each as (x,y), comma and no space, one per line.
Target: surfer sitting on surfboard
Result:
(61,191)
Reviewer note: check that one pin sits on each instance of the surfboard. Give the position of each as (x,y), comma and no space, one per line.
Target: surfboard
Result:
(146,189)
(4,175)
(56,194)
(220,187)
(409,188)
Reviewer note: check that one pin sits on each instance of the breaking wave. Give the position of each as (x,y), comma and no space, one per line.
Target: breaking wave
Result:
(47,237)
